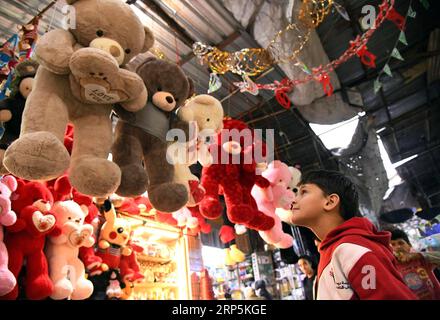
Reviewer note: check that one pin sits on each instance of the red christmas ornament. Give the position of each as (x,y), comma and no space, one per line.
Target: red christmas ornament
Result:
(367,58)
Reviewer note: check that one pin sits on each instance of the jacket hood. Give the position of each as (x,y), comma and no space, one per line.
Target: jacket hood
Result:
(359,227)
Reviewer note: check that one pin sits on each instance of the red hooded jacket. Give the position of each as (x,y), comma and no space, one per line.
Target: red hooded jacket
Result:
(357,262)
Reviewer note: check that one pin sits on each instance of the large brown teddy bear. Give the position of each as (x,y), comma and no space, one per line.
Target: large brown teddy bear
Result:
(79,80)
(140,138)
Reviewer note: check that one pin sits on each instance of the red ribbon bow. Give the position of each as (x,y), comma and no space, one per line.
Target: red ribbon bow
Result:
(367,58)
(324,78)
(397,18)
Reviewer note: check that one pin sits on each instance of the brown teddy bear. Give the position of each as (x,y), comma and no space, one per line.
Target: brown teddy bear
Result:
(140,145)
(79,80)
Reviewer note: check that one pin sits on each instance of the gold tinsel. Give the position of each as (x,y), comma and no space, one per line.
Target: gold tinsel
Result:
(313,12)
(253,61)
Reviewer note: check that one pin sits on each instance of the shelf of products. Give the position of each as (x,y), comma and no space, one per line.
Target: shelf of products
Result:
(163,262)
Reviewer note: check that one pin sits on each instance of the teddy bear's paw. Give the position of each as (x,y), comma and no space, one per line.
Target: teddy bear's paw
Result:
(83,290)
(134,181)
(42,222)
(8,282)
(168,197)
(210,208)
(240,214)
(37,156)
(261,222)
(62,289)
(3,170)
(95,177)
(97,74)
(95,63)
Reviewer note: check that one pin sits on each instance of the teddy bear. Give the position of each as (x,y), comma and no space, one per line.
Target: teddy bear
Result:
(8,185)
(11,108)
(80,77)
(141,137)
(25,239)
(277,195)
(65,268)
(233,158)
(206,112)
(286,214)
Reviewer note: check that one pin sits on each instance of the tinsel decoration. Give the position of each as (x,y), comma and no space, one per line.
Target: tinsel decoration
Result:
(321,73)
(253,61)
(247,61)
(313,12)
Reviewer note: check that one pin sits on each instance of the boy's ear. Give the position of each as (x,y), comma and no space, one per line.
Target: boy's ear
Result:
(332,202)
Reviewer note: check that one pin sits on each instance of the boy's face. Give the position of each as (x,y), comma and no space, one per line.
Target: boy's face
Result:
(305,266)
(400,246)
(308,205)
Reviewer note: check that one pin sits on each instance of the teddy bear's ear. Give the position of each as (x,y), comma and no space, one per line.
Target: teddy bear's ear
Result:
(149,40)
(85,210)
(185,113)
(10,182)
(145,62)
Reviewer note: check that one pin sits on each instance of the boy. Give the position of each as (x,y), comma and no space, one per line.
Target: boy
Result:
(356,261)
(416,268)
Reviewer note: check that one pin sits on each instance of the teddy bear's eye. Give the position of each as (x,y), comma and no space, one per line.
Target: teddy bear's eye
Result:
(127,51)
(99,33)
(208,120)
(70,218)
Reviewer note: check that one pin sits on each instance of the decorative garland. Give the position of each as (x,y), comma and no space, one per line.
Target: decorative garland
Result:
(253,61)
(358,47)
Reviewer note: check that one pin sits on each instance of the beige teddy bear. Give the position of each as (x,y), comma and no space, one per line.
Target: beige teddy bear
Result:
(80,78)
(206,112)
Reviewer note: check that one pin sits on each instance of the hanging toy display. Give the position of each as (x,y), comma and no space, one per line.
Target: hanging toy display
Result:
(7,63)
(28,38)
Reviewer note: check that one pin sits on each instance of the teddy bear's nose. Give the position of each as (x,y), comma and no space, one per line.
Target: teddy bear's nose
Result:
(170,99)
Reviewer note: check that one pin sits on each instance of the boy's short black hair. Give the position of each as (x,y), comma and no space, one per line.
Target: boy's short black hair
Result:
(399,234)
(335,182)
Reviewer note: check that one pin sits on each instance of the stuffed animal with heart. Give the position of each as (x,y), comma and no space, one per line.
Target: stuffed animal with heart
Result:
(8,185)
(26,238)
(80,77)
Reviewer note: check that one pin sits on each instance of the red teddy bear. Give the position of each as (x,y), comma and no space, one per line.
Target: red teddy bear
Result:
(26,238)
(234,179)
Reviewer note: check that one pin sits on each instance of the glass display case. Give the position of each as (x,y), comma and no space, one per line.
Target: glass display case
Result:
(164,261)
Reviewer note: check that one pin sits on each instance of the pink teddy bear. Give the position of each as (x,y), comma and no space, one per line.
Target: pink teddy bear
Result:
(8,184)
(277,195)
